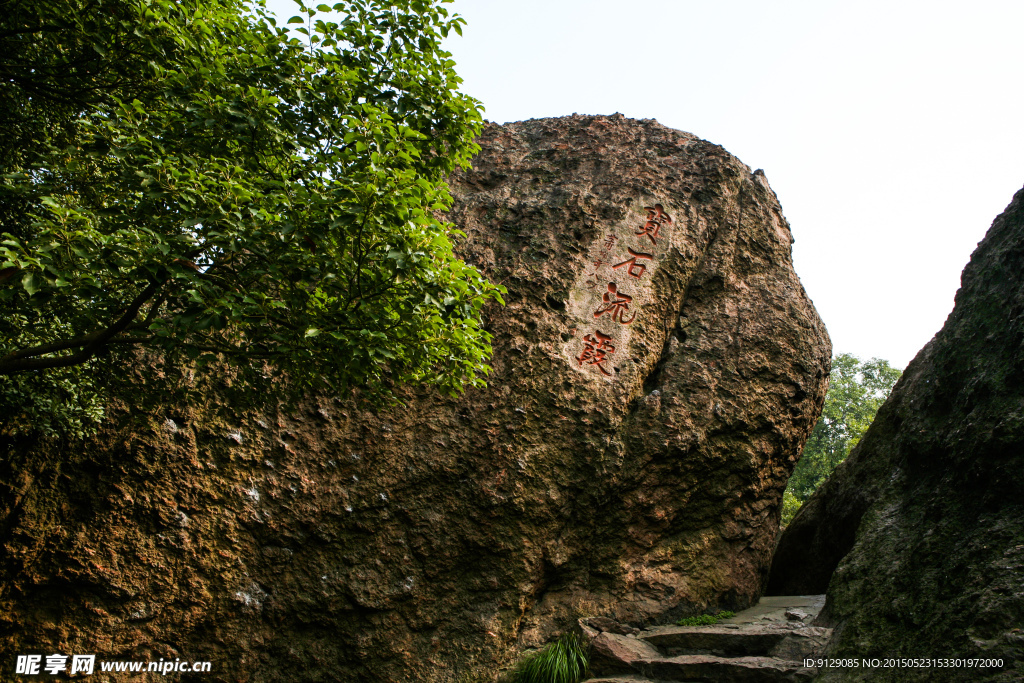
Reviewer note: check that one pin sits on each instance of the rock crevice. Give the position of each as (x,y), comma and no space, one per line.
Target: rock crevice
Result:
(919,534)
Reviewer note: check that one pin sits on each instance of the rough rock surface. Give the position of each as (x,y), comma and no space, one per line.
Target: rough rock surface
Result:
(657,369)
(925,519)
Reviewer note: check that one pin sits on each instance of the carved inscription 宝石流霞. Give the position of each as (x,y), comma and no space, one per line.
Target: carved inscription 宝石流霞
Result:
(615,306)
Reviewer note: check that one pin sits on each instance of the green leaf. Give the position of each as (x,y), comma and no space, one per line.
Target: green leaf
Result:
(32,282)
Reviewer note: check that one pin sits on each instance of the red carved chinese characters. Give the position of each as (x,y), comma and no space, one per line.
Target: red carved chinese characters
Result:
(616,304)
(656,217)
(609,242)
(635,269)
(596,349)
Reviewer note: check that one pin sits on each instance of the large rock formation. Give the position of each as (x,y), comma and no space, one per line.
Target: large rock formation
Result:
(925,519)
(656,372)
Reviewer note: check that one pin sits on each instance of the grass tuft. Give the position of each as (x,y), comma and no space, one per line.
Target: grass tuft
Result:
(705,619)
(564,661)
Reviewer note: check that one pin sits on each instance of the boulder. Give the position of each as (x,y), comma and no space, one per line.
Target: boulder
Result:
(612,654)
(919,534)
(656,372)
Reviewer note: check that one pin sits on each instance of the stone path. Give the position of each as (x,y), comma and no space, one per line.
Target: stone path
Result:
(767,642)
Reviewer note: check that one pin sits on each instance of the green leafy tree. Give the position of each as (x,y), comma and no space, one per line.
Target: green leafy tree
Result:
(187,176)
(856,391)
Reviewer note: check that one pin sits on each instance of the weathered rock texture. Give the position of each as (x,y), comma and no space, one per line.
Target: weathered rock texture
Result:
(927,513)
(627,459)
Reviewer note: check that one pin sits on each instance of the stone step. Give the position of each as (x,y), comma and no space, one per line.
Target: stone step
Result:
(764,644)
(747,640)
(619,657)
(728,669)
(714,640)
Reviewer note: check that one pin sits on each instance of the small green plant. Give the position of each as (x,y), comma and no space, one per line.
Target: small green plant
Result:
(705,619)
(564,661)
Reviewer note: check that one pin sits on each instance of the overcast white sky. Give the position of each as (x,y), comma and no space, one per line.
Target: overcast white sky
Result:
(892,132)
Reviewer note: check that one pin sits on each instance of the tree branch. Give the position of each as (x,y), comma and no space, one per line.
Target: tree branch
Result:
(90,344)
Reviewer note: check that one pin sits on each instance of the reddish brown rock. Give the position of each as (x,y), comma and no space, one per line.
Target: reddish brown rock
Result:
(611,654)
(656,371)
(591,626)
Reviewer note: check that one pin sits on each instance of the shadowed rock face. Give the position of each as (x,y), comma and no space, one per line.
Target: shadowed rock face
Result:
(656,371)
(925,519)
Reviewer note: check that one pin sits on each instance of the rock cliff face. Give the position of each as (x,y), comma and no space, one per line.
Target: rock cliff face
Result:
(656,372)
(925,519)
